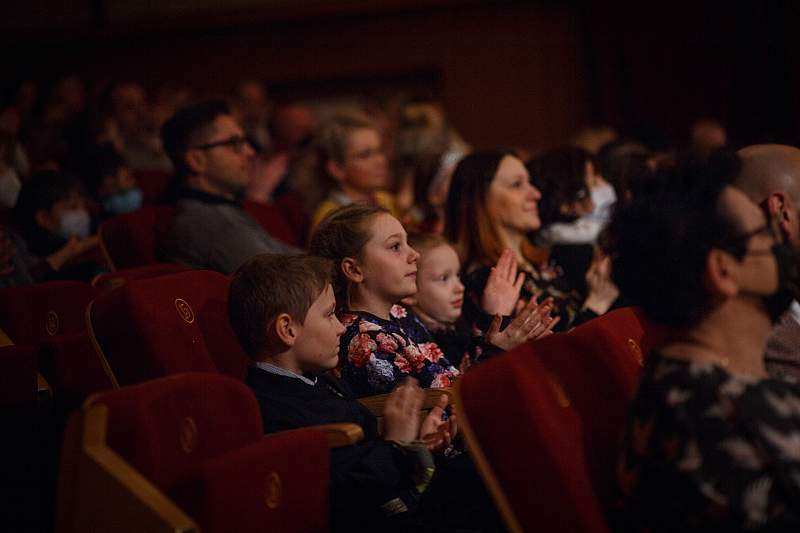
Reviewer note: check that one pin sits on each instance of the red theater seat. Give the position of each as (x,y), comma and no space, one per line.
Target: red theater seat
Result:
(154,185)
(131,240)
(18,376)
(272,219)
(73,369)
(34,313)
(155,327)
(111,280)
(189,449)
(599,364)
(527,441)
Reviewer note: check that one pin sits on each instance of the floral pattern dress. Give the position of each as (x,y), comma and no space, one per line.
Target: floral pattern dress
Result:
(375,354)
(705,450)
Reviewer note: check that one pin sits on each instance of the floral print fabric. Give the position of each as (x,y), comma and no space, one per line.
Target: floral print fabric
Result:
(707,450)
(375,354)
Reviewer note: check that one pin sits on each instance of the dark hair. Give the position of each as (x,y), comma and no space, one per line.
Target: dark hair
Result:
(660,242)
(624,164)
(102,161)
(467,221)
(268,285)
(341,234)
(560,175)
(40,193)
(189,126)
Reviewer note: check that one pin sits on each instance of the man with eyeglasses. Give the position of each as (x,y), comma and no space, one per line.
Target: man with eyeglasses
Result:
(212,158)
(770,177)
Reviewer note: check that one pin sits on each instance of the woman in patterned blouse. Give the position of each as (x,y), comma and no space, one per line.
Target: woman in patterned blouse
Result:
(712,442)
(491,206)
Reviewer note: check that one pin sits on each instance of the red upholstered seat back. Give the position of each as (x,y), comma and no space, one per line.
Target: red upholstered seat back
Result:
(280,483)
(110,280)
(532,439)
(167,427)
(33,313)
(598,364)
(18,367)
(73,369)
(271,218)
(155,327)
(131,240)
(154,185)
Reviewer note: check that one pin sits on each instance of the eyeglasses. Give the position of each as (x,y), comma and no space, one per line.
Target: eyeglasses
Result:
(738,244)
(237,143)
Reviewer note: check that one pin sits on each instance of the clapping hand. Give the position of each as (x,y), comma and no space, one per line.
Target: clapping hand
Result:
(532,322)
(502,288)
(435,432)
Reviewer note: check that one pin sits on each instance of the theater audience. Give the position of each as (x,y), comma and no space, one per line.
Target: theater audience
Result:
(352,164)
(53,230)
(284,312)
(251,107)
(770,177)
(212,159)
(111,182)
(707,135)
(491,206)
(711,440)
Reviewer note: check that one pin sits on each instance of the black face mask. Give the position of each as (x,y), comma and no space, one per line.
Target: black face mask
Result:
(788,282)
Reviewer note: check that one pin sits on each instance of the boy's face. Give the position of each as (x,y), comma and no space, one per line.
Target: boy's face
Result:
(317,344)
(440,292)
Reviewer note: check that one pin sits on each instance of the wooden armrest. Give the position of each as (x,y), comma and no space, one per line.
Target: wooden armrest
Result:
(107,494)
(376,403)
(340,435)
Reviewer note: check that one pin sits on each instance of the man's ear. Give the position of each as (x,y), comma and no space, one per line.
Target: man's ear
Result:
(196,161)
(285,329)
(352,270)
(335,170)
(720,277)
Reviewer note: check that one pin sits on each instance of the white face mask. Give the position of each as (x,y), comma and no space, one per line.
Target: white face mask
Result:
(603,196)
(75,222)
(9,188)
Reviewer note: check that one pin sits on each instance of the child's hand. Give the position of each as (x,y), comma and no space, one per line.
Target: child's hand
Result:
(533,322)
(502,288)
(401,412)
(435,432)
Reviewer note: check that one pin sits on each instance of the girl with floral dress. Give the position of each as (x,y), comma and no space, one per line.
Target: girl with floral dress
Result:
(375,269)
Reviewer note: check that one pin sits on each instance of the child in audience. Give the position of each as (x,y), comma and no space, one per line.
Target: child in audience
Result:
(376,269)
(436,308)
(282,309)
(109,178)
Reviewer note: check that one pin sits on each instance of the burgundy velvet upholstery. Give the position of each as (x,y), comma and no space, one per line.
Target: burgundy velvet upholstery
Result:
(599,364)
(72,368)
(154,185)
(118,278)
(278,484)
(33,313)
(155,327)
(272,219)
(18,367)
(533,441)
(199,438)
(131,240)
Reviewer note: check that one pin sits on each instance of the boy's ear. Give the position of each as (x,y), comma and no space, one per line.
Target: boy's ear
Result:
(335,170)
(285,329)
(351,270)
(720,278)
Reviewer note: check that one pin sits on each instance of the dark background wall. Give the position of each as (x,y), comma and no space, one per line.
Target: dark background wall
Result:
(510,73)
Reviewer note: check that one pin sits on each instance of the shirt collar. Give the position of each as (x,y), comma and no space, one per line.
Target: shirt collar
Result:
(794,311)
(274,369)
(188,193)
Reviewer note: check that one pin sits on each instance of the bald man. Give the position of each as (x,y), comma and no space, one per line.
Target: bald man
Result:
(770,176)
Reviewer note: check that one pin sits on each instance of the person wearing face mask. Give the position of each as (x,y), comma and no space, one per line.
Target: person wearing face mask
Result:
(770,177)
(52,219)
(711,439)
(110,179)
